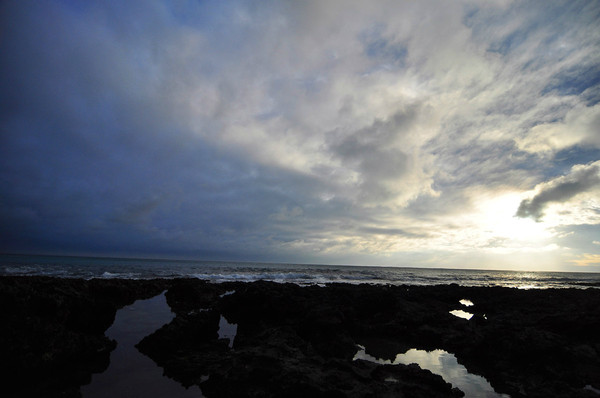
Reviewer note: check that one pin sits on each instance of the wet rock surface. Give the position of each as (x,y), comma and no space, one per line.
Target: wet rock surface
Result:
(293,339)
(300,341)
(52,331)
(288,343)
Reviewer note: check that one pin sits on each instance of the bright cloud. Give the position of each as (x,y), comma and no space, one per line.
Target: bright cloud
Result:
(581,180)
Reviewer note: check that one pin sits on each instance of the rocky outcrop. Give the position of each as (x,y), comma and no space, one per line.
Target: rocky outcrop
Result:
(52,331)
(289,343)
(301,341)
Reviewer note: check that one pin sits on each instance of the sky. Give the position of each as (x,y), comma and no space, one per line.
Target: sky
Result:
(458,133)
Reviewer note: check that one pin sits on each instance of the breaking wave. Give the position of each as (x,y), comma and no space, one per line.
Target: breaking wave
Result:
(110,268)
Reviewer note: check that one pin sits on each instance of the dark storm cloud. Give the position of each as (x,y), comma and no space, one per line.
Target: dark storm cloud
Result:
(92,156)
(560,190)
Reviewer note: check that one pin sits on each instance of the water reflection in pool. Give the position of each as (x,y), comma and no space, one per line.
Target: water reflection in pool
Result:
(444,364)
(462,314)
(227,330)
(466,303)
(130,373)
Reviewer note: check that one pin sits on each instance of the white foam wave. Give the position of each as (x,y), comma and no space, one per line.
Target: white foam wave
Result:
(87,268)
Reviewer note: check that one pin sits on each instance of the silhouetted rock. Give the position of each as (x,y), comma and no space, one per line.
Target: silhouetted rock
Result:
(300,341)
(52,331)
(534,343)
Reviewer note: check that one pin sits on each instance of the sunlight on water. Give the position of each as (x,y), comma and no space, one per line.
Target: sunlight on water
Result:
(444,364)
(462,314)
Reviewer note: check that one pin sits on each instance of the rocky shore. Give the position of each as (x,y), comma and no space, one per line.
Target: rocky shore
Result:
(300,341)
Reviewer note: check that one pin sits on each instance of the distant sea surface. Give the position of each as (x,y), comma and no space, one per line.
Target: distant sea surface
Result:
(217,271)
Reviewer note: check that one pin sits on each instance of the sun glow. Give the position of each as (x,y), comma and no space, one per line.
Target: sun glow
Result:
(499,220)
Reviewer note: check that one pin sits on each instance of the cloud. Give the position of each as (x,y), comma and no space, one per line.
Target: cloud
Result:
(383,158)
(581,179)
(579,126)
(395,232)
(271,130)
(587,260)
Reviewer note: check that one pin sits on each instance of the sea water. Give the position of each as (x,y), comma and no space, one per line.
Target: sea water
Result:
(441,363)
(130,373)
(218,271)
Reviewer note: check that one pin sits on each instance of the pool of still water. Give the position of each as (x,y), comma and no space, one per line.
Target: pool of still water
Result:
(130,373)
(444,364)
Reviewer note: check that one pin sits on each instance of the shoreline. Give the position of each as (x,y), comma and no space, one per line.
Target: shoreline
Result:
(137,269)
(300,340)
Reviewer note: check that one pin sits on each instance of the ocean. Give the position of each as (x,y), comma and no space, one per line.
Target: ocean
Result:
(303,274)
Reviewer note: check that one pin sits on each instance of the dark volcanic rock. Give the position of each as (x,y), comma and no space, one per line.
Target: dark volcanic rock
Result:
(300,341)
(291,341)
(534,343)
(52,331)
